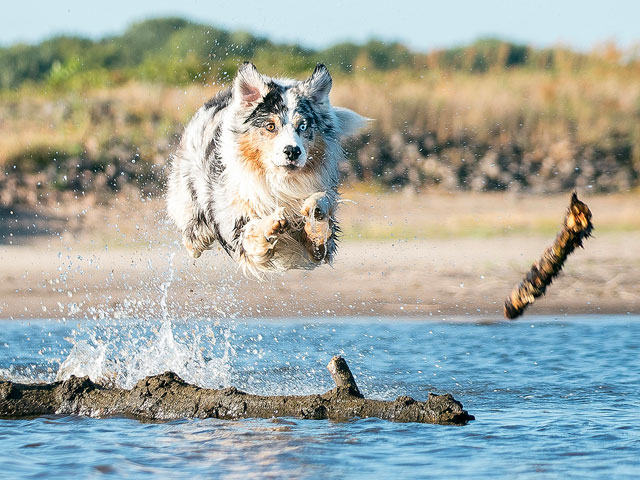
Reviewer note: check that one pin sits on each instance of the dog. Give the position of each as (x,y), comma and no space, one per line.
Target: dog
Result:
(256,172)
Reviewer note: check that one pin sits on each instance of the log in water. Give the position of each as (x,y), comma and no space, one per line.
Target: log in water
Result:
(167,397)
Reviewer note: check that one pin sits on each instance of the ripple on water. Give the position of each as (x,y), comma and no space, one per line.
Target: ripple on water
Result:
(558,399)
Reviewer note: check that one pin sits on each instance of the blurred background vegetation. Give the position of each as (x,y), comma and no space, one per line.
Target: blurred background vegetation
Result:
(85,118)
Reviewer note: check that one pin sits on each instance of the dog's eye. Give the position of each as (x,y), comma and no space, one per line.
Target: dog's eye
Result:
(270,127)
(303,126)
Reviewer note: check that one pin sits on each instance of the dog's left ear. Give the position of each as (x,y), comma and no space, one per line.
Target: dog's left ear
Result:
(349,122)
(249,86)
(318,85)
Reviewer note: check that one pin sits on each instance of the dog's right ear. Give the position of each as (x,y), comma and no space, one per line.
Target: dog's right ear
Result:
(249,87)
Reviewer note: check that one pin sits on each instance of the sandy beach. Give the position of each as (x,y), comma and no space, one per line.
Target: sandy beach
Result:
(419,255)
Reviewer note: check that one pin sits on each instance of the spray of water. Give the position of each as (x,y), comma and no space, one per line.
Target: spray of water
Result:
(120,351)
(159,327)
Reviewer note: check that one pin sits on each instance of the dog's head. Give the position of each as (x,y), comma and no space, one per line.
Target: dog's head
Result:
(283,125)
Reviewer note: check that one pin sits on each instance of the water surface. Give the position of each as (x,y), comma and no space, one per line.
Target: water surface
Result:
(553,397)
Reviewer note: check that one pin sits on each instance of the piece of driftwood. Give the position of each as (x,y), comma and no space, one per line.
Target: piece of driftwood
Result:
(167,397)
(577,227)
(342,376)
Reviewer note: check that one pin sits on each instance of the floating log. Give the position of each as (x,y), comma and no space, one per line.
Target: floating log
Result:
(342,376)
(576,228)
(168,397)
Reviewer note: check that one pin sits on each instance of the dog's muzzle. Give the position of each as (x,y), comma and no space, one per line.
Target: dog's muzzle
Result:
(292,152)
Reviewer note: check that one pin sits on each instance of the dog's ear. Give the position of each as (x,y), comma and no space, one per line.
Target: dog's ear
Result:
(349,122)
(249,87)
(318,85)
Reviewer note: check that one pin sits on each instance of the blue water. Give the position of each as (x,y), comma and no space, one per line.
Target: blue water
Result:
(553,398)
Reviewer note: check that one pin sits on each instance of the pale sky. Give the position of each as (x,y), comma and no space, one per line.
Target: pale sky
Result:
(423,25)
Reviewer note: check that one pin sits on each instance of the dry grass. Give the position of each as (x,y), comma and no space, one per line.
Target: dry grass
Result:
(544,107)
(31,120)
(542,131)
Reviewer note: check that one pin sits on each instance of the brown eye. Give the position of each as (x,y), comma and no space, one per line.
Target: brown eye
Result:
(270,127)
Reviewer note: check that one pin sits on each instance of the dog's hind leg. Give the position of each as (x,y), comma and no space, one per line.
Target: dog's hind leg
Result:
(197,237)
(197,234)
(259,238)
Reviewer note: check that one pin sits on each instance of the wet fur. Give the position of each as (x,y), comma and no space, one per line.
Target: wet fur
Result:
(232,182)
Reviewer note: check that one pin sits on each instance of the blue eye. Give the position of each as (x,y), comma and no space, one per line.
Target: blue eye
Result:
(302,127)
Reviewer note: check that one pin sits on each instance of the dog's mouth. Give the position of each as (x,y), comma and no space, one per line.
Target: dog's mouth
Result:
(292,166)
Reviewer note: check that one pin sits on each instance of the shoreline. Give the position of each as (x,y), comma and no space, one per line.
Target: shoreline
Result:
(422,278)
(427,255)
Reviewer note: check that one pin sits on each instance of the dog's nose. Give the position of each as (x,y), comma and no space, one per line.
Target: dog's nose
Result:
(292,152)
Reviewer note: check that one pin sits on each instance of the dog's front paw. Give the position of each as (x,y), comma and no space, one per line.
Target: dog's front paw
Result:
(316,207)
(318,227)
(276,224)
(261,235)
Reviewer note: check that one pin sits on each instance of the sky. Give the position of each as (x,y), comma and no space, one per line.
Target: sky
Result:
(422,25)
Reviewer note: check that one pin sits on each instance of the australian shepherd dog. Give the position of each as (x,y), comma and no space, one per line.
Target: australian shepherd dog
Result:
(257,172)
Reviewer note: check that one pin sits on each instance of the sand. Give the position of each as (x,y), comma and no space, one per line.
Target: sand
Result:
(85,274)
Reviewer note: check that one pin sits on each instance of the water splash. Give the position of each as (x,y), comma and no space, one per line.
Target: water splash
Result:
(165,290)
(120,351)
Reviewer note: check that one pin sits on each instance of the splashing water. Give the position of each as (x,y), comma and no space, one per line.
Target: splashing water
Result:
(121,352)
(165,292)
(534,387)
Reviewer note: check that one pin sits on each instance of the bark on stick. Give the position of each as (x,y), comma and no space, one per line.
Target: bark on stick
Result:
(577,227)
(167,396)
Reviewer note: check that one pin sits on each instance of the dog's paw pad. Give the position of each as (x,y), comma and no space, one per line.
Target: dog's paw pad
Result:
(278,224)
(316,207)
(318,252)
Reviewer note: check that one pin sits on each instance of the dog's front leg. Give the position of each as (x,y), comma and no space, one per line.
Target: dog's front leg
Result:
(320,227)
(260,236)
